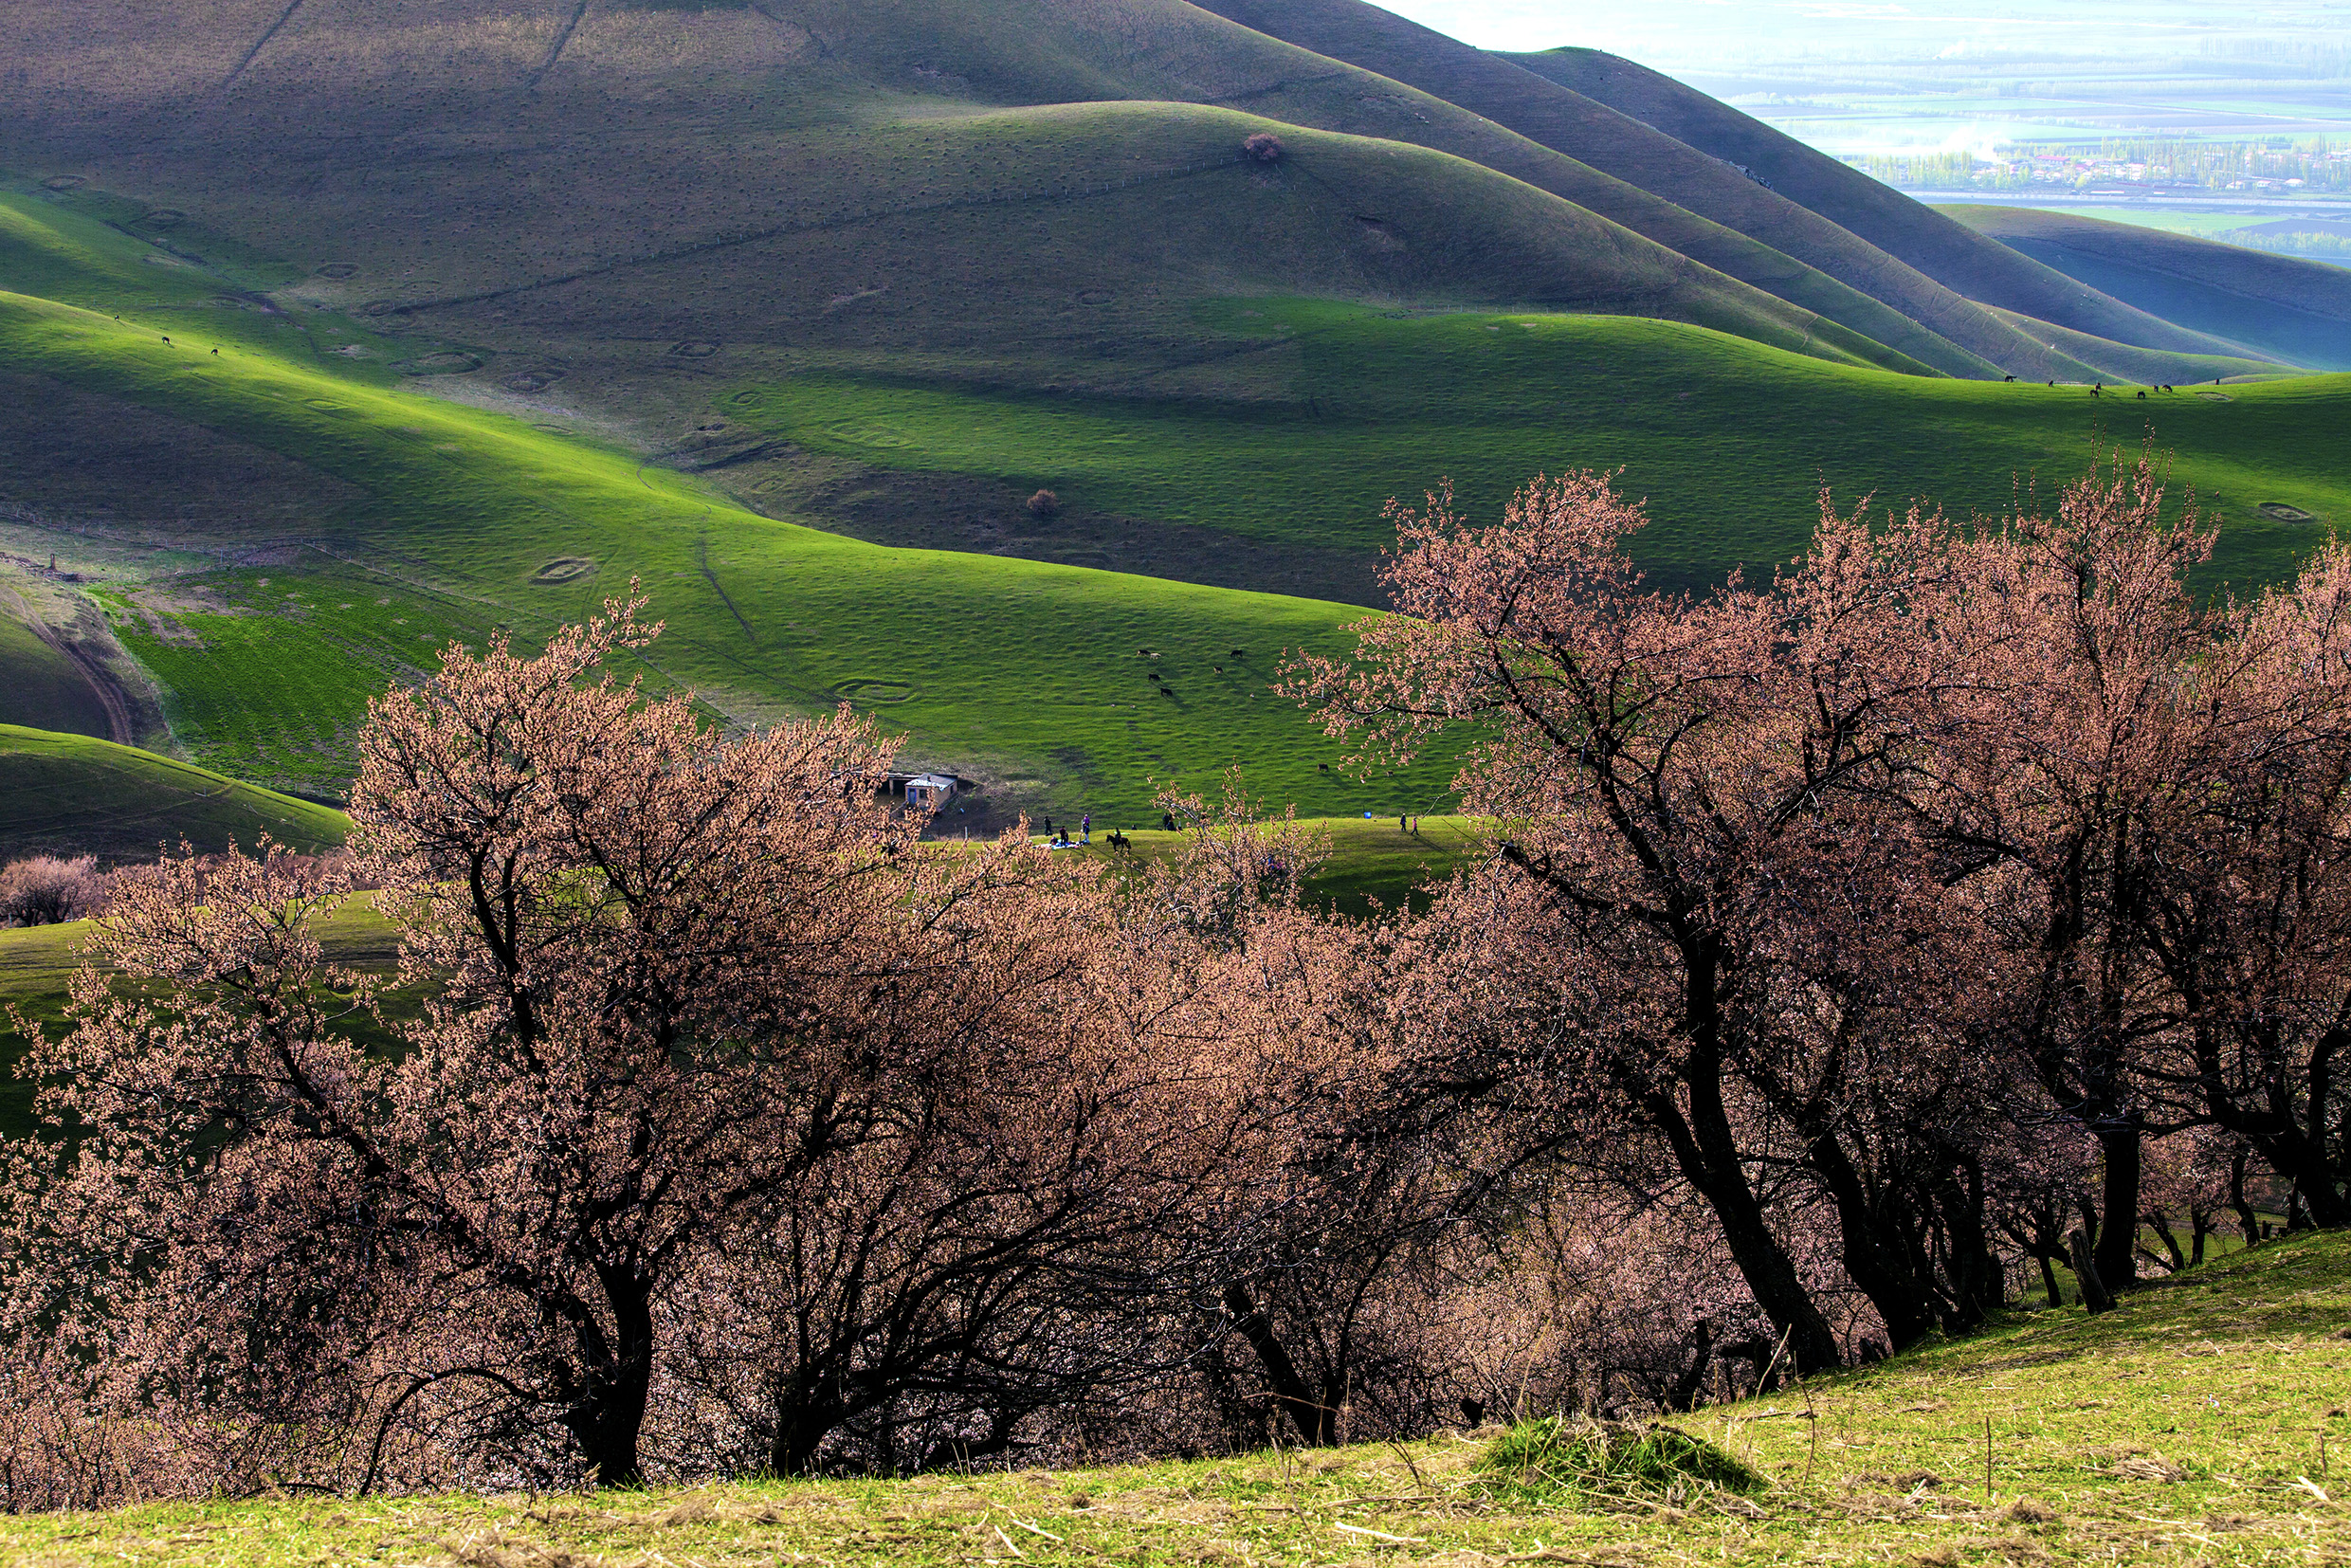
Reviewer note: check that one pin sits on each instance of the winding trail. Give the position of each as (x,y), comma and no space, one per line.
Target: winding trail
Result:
(555,51)
(262,43)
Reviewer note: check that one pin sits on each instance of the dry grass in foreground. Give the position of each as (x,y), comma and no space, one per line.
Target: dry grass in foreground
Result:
(2205,1422)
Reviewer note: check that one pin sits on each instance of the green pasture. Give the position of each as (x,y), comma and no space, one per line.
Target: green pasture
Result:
(1373,863)
(75,794)
(1728,440)
(438,521)
(2206,1421)
(1032,674)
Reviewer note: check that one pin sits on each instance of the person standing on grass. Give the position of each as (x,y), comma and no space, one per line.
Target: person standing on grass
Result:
(1085,829)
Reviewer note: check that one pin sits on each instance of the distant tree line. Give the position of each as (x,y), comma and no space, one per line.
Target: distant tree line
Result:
(1964,904)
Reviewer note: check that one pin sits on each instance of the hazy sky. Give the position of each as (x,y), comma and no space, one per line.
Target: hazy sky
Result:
(1665,29)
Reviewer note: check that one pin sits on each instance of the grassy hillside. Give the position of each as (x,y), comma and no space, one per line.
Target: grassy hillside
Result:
(1961,337)
(2203,1422)
(1728,441)
(428,521)
(314,529)
(44,689)
(2292,310)
(1947,251)
(977,185)
(954,186)
(75,794)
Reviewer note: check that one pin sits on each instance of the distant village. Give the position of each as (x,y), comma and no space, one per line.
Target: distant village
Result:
(2276,167)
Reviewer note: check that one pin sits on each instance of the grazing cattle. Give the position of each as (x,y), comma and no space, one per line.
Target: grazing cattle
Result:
(2009,378)
(2142,396)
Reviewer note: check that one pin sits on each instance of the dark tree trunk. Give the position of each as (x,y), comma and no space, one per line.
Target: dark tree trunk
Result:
(1708,1156)
(2247,1220)
(608,1421)
(1874,1254)
(2162,1229)
(2048,1280)
(1979,1280)
(2117,1251)
(1316,1421)
(2094,1294)
(1683,1395)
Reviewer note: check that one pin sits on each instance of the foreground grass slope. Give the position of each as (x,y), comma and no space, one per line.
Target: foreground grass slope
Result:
(75,794)
(2203,1422)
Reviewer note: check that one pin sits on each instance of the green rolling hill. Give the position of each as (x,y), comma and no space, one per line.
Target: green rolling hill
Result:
(2281,307)
(1809,251)
(786,308)
(75,794)
(1934,243)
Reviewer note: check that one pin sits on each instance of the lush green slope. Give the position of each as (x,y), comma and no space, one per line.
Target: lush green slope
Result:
(1015,184)
(1942,249)
(366,524)
(443,521)
(2287,309)
(75,794)
(2203,1422)
(939,183)
(1728,441)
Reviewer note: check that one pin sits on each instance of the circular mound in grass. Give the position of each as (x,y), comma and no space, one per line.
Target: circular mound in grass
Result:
(530,381)
(64,182)
(2278,511)
(323,404)
(451,363)
(869,434)
(337,270)
(2211,396)
(873,691)
(554,430)
(694,350)
(563,569)
(164,217)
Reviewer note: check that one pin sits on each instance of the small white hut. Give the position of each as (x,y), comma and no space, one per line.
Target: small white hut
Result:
(931,791)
